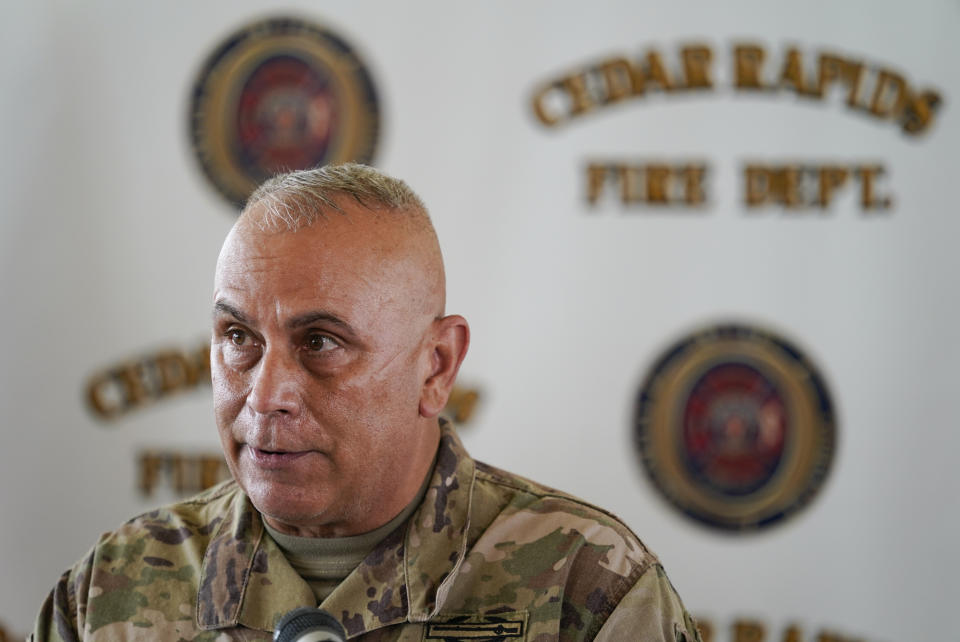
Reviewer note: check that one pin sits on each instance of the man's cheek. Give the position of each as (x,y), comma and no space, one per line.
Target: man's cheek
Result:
(228,386)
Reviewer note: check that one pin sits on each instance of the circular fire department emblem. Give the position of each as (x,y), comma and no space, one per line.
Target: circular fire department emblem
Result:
(735,427)
(280,94)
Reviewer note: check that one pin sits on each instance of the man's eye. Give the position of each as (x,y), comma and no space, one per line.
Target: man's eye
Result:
(319,342)
(237,337)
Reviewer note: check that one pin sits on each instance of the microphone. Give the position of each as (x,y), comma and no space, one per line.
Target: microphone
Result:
(309,625)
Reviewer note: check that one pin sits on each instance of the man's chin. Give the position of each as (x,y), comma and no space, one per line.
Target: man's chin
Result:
(285,513)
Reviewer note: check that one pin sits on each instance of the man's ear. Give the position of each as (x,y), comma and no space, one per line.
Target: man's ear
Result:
(451,339)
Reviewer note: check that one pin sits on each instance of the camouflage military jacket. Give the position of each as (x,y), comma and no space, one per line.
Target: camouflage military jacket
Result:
(486,556)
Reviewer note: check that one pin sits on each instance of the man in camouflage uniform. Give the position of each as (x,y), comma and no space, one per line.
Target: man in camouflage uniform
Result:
(332,358)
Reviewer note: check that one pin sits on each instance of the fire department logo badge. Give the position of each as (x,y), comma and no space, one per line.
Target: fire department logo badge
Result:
(280,94)
(735,427)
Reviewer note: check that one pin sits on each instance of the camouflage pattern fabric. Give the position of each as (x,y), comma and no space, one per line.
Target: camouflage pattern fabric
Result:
(487,556)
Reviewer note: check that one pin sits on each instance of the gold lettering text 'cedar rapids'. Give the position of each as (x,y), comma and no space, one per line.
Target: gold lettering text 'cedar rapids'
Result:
(874,90)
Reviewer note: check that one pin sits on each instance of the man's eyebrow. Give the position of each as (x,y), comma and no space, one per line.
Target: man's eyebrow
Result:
(310,318)
(221,306)
(300,321)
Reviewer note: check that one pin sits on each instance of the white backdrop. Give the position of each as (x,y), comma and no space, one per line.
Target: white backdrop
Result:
(109,234)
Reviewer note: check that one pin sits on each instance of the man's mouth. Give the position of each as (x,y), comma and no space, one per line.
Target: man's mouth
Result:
(274,458)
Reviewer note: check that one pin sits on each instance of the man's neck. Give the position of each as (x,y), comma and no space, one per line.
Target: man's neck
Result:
(323,562)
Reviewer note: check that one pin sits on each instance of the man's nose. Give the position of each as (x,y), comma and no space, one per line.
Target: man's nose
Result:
(274,387)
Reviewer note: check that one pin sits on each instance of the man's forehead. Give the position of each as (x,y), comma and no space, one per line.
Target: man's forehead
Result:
(352,226)
(364,253)
(292,274)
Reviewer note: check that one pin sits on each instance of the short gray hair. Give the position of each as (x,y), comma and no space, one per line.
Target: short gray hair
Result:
(299,198)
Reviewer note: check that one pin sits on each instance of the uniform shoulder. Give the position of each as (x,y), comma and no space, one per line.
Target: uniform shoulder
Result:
(173,524)
(131,570)
(536,492)
(519,494)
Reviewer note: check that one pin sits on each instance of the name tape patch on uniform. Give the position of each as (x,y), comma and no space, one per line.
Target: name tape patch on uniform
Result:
(281,94)
(486,629)
(735,427)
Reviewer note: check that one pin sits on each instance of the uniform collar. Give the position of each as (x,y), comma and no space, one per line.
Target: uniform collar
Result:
(246,580)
